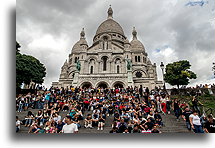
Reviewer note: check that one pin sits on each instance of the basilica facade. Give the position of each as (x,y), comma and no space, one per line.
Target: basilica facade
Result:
(111,61)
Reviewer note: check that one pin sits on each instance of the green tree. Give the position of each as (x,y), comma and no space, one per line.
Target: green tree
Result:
(28,69)
(17,48)
(179,73)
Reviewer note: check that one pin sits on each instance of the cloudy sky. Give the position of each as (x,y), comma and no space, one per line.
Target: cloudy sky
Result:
(169,30)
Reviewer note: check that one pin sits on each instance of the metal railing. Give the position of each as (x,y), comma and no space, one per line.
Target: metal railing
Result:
(209,111)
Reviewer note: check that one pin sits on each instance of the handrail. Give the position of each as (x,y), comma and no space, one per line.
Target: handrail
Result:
(209,109)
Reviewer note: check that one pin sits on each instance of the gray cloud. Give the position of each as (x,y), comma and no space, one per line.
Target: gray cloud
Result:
(47,29)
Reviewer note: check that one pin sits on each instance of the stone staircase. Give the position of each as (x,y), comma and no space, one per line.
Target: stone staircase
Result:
(171,125)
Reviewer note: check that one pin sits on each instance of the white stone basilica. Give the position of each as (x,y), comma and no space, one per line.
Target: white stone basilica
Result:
(111,61)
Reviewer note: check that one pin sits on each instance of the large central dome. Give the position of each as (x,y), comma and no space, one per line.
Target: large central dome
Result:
(110,26)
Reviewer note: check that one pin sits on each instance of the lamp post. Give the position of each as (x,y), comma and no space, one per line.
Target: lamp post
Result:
(213,68)
(162,68)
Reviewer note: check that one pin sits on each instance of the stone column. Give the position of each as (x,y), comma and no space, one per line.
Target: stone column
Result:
(99,66)
(75,79)
(130,78)
(109,70)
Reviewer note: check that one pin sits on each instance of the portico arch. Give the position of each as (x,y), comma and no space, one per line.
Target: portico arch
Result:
(86,85)
(118,84)
(102,84)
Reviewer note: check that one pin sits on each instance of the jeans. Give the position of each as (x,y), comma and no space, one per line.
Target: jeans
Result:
(79,126)
(188,125)
(20,107)
(198,129)
(28,122)
(17,129)
(177,113)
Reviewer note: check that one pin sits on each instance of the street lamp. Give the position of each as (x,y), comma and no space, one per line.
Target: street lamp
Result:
(162,68)
(213,68)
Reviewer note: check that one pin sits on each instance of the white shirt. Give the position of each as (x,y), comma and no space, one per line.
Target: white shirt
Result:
(152,97)
(18,123)
(71,128)
(56,119)
(195,119)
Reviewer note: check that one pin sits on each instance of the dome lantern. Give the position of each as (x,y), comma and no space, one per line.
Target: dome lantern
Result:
(82,34)
(134,33)
(110,13)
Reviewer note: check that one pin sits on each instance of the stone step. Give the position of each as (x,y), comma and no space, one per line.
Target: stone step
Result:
(171,125)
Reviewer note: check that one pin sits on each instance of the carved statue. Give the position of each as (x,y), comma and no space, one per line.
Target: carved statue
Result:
(128,64)
(78,65)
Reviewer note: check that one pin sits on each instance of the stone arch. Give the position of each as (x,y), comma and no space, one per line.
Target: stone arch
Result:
(71,74)
(86,85)
(145,74)
(104,63)
(117,64)
(91,61)
(117,57)
(105,36)
(103,84)
(118,84)
(91,57)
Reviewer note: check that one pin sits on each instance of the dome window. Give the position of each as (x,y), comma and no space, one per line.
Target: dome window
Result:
(117,69)
(135,58)
(138,58)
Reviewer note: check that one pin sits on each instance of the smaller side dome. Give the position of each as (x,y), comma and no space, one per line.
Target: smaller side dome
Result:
(82,42)
(136,45)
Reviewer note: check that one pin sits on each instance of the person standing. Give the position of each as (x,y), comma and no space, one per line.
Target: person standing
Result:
(17,124)
(195,122)
(47,97)
(163,105)
(69,127)
(209,126)
(141,91)
(177,109)
(185,115)
(196,103)
(21,103)
(168,104)
(101,122)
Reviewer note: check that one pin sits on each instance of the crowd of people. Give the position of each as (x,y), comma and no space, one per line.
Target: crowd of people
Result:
(132,110)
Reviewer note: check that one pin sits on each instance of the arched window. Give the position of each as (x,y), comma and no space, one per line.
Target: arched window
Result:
(144,60)
(91,70)
(117,68)
(105,43)
(76,59)
(104,59)
(138,58)
(92,61)
(117,61)
(135,58)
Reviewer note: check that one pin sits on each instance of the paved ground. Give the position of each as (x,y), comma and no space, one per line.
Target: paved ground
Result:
(171,125)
